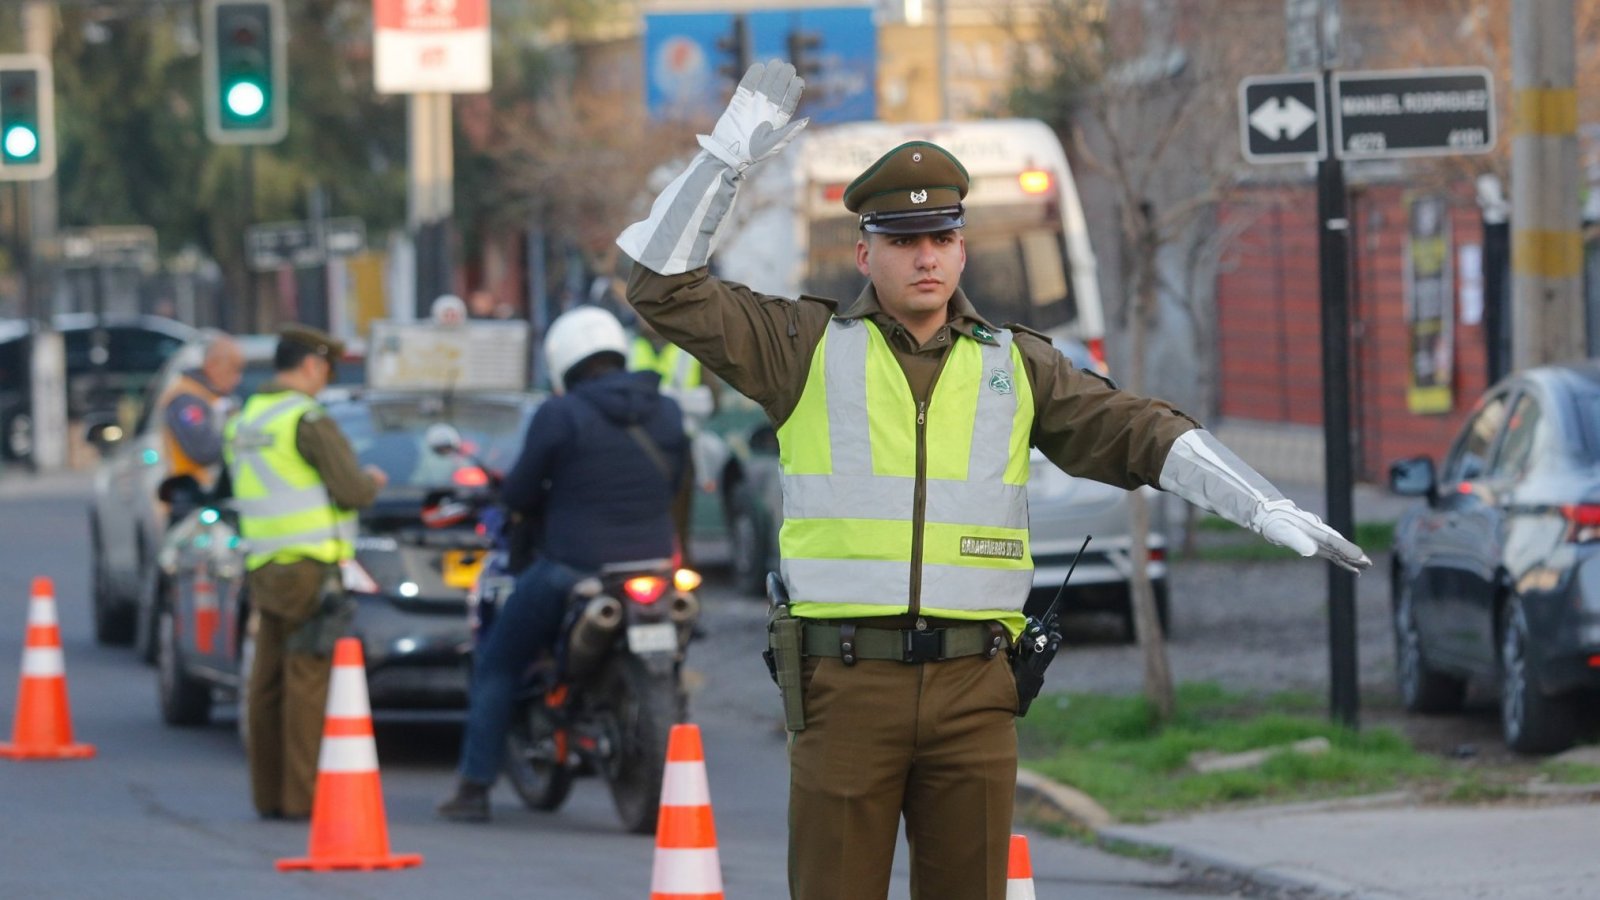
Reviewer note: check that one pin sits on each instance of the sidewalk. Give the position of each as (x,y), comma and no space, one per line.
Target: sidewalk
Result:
(1387,849)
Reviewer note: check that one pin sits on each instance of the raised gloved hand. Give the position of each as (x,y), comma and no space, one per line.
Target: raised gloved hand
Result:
(756,123)
(681,231)
(1287,525)
(1200,469)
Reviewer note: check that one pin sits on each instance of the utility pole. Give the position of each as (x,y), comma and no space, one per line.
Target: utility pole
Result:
(1546,241)
(432,177)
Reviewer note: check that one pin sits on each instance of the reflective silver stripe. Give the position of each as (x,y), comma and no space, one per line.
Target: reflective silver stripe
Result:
(284,502)
(261,546)
(973,588)
(845,362)
(870,582)
(890,498)
(680,372)
(995,416)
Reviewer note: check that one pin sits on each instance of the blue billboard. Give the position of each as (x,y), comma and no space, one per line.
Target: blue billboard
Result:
(689,58)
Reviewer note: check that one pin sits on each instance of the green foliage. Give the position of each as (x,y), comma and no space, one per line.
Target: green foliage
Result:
(1075,35)
(1112,748)
(1571,773)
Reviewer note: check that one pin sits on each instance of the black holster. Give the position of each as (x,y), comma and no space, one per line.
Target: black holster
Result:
(1030,657)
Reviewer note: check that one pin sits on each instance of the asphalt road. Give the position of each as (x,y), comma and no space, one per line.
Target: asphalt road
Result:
(164,813)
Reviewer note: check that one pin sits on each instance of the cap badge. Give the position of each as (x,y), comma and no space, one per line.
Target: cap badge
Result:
(919,196)
(1000,381)
(981,333)
(916,157)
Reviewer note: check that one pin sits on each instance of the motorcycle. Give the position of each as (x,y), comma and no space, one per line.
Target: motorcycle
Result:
(604,702)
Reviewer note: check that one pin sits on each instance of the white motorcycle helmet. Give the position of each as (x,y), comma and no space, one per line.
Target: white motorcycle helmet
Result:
(578,334)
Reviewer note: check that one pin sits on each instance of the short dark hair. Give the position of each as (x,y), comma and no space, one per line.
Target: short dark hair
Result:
(602,363)
(290,354)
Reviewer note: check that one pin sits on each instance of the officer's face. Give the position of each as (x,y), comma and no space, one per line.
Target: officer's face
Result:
(914,274)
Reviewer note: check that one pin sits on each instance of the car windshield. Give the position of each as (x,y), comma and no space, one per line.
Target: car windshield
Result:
(1588,402)
(391,434)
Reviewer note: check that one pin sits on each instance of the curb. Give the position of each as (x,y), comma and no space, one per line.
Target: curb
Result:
(1043,799)
(1277,878)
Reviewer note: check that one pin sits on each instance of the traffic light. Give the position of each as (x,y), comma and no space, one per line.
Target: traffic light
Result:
(736,43)
(803,47)
(27,119)
(243,48)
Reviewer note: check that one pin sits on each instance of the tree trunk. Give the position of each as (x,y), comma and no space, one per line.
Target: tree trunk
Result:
(1141,594)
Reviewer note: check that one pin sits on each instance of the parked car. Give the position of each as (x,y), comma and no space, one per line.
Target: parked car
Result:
(1496,575)
(106,360)
(125,520)
(410,581)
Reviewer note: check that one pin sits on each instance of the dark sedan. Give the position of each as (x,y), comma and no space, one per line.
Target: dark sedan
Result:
(410,581)
(1497,576)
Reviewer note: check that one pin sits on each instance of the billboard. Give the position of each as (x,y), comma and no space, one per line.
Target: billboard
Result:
(430,46)
(690,58)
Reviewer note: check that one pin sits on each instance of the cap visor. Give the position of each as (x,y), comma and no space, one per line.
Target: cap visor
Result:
(919,223)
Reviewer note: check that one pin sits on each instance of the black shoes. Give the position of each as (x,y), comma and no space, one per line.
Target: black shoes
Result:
(470,803)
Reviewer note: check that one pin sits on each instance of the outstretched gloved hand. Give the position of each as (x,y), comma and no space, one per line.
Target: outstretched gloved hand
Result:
(684,223)
(756,124)
(1287,525)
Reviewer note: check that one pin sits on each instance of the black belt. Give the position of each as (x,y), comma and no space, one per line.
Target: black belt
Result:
(850,643)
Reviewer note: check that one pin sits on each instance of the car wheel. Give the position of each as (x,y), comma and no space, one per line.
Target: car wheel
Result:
(184,699)
(1532,721)
(748,542)
(1163,612)
(19,438)
(113,623)
(1422,688)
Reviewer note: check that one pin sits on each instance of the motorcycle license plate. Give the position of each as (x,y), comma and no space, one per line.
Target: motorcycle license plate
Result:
(661,637)
(461,568)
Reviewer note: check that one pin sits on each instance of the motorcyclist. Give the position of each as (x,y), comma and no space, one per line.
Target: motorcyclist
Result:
(600,465)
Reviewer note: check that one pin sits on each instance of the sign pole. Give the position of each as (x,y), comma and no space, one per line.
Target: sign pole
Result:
(1334,250)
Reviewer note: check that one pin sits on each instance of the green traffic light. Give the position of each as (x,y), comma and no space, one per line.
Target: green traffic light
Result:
(245,99)
(20,142)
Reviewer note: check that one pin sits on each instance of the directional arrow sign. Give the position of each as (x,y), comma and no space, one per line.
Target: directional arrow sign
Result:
(1280,118)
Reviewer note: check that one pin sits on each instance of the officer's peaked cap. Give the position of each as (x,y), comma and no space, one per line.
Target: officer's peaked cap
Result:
(915,188)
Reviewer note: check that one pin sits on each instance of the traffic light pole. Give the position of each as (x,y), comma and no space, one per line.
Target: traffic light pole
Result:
(1333,232)
(247,205)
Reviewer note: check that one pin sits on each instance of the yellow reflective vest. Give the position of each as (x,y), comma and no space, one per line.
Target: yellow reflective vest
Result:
(891,506)
(678,370)
(285,513)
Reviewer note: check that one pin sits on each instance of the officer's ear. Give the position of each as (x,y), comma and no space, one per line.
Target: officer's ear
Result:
(862,250)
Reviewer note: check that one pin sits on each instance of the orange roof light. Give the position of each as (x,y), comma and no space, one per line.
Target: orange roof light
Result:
(1034,181)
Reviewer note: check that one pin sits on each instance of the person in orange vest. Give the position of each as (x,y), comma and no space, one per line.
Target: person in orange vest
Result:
(194,409)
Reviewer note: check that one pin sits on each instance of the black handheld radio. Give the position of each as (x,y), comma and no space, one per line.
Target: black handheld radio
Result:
(1037,645)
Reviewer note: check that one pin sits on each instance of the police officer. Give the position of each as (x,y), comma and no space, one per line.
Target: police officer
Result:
(296,485)
(905,421)
(194,408)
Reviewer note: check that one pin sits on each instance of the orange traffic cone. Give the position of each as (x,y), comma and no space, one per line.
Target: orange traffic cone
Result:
(43,728)
(686,865)
(347,825)
(205,614)
(1019,871)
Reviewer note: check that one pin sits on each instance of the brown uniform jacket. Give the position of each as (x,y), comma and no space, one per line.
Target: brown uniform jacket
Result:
(325,447)
(761,345)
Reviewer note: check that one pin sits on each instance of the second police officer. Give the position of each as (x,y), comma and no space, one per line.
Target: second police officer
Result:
(904,423)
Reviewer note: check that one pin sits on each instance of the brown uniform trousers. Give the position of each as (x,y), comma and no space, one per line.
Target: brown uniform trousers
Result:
(288,690)
(935,741)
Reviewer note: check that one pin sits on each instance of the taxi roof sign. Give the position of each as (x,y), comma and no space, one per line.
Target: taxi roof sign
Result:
(471,356)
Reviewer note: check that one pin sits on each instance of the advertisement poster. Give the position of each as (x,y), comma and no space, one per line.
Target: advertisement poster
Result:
(430,46)
(1430,302)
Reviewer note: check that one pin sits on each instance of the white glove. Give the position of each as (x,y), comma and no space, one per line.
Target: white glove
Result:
(1201,470)
(681,231)
(1287,525)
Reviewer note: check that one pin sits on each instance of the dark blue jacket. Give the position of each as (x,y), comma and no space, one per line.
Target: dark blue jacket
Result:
(601,498)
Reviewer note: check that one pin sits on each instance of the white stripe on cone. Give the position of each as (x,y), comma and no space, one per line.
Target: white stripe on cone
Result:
(43,662)
(347,694)
(42,611)
(684,784)
(686,872)
(348,755)
(1020,889)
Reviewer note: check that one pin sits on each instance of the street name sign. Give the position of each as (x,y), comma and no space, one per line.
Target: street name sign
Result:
(1416,112)
(273,245)
(132,246)
(1280,118)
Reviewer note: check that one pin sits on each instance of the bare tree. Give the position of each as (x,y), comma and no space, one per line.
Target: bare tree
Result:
(1145,92)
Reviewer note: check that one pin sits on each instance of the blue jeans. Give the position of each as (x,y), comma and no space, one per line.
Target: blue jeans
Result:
(527,626)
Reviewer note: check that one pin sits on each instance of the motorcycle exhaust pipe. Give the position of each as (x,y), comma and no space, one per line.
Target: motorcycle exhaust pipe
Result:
(684,608)
(592,635)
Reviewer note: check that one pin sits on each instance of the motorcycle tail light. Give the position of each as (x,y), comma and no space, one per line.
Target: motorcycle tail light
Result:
(356,579)
(686,580)
(645,588)
(1583,522)
(1158,554)
(469,476)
